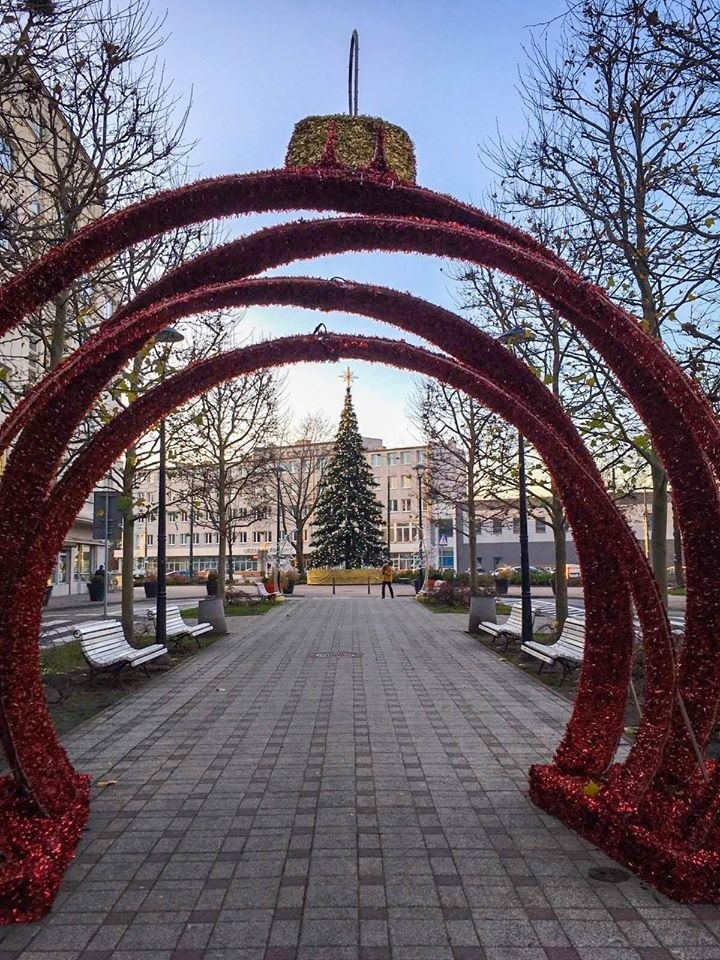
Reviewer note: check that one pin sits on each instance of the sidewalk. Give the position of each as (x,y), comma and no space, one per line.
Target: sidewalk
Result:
(340,781)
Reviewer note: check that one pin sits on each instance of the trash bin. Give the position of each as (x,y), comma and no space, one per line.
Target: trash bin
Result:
(212,611)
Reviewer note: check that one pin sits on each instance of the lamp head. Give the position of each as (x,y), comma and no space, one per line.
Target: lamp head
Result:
(169,335)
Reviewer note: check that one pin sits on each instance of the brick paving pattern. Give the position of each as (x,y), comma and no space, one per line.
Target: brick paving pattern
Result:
(272,804)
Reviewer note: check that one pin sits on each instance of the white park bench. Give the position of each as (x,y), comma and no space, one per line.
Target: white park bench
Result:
(567,650)
(104,646)
(511,629)
(176,628)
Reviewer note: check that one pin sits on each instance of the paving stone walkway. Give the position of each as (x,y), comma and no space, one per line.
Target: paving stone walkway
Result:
(278,799)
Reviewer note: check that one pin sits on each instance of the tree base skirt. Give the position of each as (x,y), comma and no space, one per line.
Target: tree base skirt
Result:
(667,863)
(35,850)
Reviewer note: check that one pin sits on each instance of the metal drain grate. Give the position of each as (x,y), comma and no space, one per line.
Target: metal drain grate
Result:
(336,654)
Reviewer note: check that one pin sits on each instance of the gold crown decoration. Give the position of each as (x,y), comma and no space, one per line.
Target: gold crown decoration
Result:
(352,143)
(355,144)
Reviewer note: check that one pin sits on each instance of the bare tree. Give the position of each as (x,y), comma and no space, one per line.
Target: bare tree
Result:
(88,124)
(303,457)
(624,132)
(223,444)
(463,439)
(562,360)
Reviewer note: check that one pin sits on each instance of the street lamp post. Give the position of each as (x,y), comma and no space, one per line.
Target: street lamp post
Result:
(387,505)
(509,338)
(420,470)
(169,335)
(279,471)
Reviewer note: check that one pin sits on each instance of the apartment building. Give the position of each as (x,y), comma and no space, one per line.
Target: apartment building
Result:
(399,490)
(498,536)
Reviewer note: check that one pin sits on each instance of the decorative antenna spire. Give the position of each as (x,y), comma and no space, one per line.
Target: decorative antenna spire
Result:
(353,69)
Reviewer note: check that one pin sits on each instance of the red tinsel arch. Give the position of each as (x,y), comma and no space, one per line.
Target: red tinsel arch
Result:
(678,418)
(441,327)
(654,383)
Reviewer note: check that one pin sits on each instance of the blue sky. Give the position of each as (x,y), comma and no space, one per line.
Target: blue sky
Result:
(447,72)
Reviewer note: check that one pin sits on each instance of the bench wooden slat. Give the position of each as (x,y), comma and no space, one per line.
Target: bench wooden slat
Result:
(567,650)
(176,628)
(104,646)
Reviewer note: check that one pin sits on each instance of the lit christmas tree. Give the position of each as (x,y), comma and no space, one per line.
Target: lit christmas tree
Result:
(348,519)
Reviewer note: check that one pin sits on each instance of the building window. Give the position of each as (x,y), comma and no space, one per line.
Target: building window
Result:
(393,506)
(497,526)
(184,516)
(407,480)
(405,532)
(539,526)
(171,539)
(208,538)
(407,456)
(516,524)
(242,536)
(393,458)
(150,539)
(172,517)
(196,538)
(184,539)
(393,483)
(376,459)
(406,506)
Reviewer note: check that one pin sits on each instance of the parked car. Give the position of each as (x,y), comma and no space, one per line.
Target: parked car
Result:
(178,576)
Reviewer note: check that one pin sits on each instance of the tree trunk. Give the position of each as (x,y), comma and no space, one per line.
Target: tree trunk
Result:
(299,554)
(658,536)
(128,547)
(59,330)
(222,531)
(230,562)
(472,516)
(678,554)
(561,594)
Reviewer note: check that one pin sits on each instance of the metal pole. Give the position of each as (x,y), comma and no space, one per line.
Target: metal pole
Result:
(420,540)
(388,508)
(161,602)
(107,537)
(192,530)
(277,534)
(526,597)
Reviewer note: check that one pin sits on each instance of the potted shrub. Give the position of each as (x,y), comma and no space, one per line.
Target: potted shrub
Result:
(211,584)
(150,585)
(289,578)
(502,580)
(96,588)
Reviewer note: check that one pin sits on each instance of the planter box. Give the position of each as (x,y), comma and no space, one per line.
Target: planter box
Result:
(211,587)
(502,586)
(150,590)
(96,591)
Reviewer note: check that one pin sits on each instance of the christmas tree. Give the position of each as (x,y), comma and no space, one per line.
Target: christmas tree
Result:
(348,519)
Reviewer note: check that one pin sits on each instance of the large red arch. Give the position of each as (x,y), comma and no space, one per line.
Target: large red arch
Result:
(677,416)
(438,326)
(657,387)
